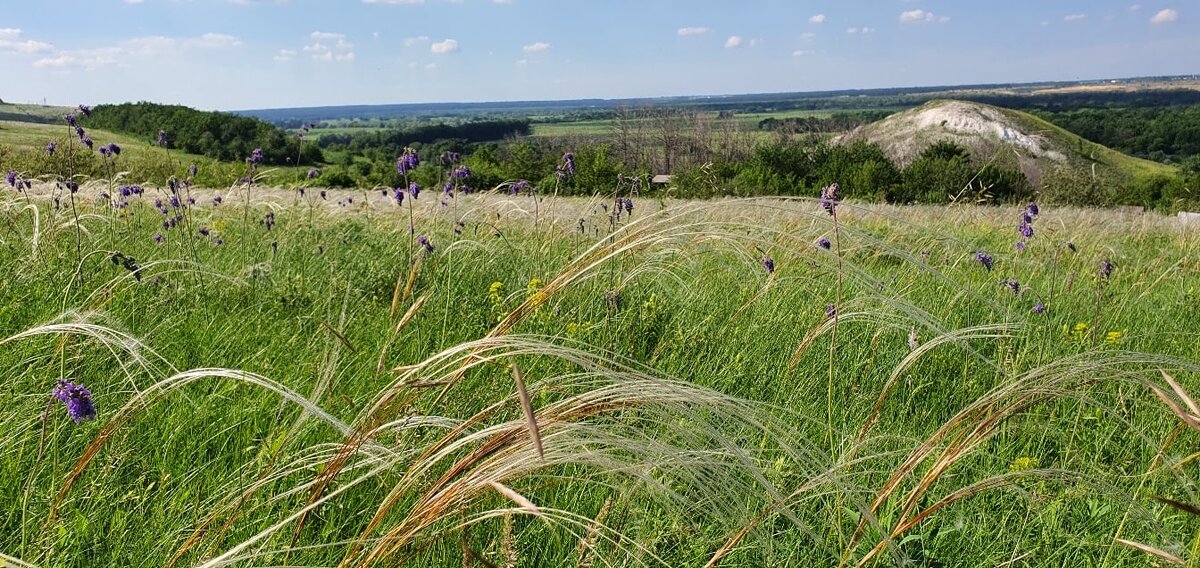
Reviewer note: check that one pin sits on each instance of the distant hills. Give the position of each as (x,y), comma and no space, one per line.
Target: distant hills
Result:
(1139,90)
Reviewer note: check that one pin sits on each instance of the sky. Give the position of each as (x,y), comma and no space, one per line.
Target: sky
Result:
(246,54)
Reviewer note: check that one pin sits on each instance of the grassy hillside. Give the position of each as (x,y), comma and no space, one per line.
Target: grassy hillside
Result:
(22,148)
(32,113)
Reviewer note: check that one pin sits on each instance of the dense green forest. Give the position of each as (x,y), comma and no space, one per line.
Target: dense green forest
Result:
(396,139)
(217,135)
(1163,134)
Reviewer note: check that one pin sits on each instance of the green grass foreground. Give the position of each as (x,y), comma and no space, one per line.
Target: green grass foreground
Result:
(319,390)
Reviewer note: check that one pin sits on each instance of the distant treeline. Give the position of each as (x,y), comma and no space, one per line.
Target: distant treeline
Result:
(1163,134)
(838,122)
(217,135)
(395,140)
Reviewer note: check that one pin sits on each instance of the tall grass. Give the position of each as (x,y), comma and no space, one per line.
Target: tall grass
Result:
(633,392)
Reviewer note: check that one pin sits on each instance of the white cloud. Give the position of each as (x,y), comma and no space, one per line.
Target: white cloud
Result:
(502,2)
(134,1)
(10,43)
(692,31)
(916,16)
(536,47)
(411,41)
(870,30)
(733,42)
(344,56)
(445,46)
(328,36)
(88,59)
(393,2)
(285,55)
(216,40)
(1074,17)
(817,19)
(316,47)
(323,56)
(851,31)
(802,53)
(1165,16)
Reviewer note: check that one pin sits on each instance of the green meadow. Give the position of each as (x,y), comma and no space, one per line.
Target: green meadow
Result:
(294,377)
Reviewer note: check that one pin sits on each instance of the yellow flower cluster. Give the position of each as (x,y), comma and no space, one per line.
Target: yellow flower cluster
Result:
(1023,463)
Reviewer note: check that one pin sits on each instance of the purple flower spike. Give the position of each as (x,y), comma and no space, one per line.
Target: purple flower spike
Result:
(71,120)
(78,400)
(12,178)
(985,259)
(87,141)
(424,242)
(414,189)
(85,110)
(1106,269)
(313,173)
(831,311)
(462,172)
(1025,229)
(824,243)
(1039,308)
(158,238)
(161,139)
(769,264)
(1013,285)
(1032,209)
(830,198)
(51,147)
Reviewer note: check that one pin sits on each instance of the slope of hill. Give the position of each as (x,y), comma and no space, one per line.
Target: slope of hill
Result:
(1004,137)
(32,113)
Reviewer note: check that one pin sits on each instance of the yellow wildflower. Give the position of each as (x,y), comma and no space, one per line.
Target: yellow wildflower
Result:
(1023,463)
(1113,337)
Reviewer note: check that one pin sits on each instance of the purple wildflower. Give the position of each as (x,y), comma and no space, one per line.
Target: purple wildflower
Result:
(72,186)
(216,200)
(51,147)
(158,238)
(1039,308)
(175,202)
(86,110)
(424,241)
(769,264)
(204,232)
(255,158)
(78,400)
(313,173)
(161,139)
(520,186)
(398,195)
(269,220)
(407,162)
(1025,229)
(824,243)
(87,141)
(218,241)
(1032,209)
(1013,285)
(323,194)
(70,118)
(985,259)
(1106,269)
(830,198)
(80,132)
(831,311)
(1020,246)
(12,178)
(414,189)
(192,170)
(628,206)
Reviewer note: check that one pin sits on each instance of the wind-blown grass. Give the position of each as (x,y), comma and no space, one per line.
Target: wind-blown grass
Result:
(633,392)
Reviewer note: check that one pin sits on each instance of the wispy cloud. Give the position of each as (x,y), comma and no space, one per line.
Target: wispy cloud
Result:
(817,19)
(536,47)
(1165,16)
(918,16)
(444,47)
(11,42)
(692,31)
(416,40)
(1074,17)
(734,42)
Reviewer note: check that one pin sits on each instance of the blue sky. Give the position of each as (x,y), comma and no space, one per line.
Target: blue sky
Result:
(238,54)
